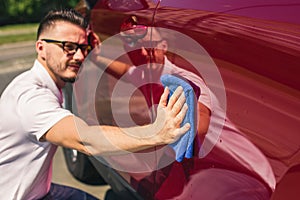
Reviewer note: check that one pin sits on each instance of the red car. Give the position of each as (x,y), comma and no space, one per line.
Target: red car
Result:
(252,49)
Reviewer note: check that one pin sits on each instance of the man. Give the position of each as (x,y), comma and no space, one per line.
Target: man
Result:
(33,122)
(233,169)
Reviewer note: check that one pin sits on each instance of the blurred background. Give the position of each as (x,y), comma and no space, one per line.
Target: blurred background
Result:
(29,11)
(18,25)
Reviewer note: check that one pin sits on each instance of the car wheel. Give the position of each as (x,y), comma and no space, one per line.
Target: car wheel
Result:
(81,167)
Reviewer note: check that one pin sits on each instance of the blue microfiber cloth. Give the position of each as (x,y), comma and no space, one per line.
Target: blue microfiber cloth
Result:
(184,146)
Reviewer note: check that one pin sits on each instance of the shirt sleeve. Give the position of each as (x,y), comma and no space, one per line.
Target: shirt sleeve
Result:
(39,110)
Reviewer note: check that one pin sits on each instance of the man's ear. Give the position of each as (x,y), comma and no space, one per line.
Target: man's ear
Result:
(40,49)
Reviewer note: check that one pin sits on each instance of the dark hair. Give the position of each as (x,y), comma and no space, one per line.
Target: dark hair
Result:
(67,15)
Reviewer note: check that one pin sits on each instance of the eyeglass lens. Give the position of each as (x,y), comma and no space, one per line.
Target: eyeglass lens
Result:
(70,47)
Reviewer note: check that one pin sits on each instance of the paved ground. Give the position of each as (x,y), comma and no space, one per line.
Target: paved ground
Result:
(63,176)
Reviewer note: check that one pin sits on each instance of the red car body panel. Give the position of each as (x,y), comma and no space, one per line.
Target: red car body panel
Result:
(256,47)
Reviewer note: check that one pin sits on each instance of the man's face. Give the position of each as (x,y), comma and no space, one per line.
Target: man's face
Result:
(64,48)
(149,49)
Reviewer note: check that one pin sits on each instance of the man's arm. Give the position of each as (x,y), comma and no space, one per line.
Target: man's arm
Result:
(114,67)
(72,132)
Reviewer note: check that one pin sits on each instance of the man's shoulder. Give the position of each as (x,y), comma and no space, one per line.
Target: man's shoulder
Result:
(25,86)
(17,83)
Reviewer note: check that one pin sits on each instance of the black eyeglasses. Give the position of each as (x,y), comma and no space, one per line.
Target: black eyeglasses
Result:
(130,35)
(70,47)
(133,36)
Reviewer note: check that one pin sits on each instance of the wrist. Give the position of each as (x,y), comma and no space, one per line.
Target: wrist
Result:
(154,137)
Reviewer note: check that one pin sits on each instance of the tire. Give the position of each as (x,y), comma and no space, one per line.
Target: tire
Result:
(81,168)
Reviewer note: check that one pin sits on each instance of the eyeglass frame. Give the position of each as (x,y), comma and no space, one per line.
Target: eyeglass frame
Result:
(85,48)
(133,41)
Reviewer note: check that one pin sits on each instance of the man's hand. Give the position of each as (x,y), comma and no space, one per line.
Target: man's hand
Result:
(170,115)
(93,38)
(95,43)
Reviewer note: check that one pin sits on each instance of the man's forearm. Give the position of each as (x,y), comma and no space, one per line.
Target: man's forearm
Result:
(103,140)
(165,130)
(114,67)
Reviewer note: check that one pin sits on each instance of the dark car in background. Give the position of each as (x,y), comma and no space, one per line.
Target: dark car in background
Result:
(255,46)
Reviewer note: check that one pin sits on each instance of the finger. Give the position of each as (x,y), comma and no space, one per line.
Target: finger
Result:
(94,39)
(184,129)
(175,96)
(181,115)
(181,131)
(164,97)
(178,104)
(97,40)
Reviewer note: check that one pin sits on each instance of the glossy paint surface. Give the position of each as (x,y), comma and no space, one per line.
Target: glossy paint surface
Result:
(256,47)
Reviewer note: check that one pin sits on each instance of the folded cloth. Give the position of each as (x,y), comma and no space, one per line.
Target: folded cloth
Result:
(184,146)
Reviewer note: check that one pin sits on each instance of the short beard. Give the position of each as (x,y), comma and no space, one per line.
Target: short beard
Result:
(68,80)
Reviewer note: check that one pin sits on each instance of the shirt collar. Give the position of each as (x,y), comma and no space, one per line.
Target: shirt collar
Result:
(45,80)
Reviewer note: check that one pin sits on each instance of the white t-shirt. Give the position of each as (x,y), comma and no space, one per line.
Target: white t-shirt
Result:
(29,107)
(224,143)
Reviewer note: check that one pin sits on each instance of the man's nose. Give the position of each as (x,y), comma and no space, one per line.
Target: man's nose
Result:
(147,51)
(79,55)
